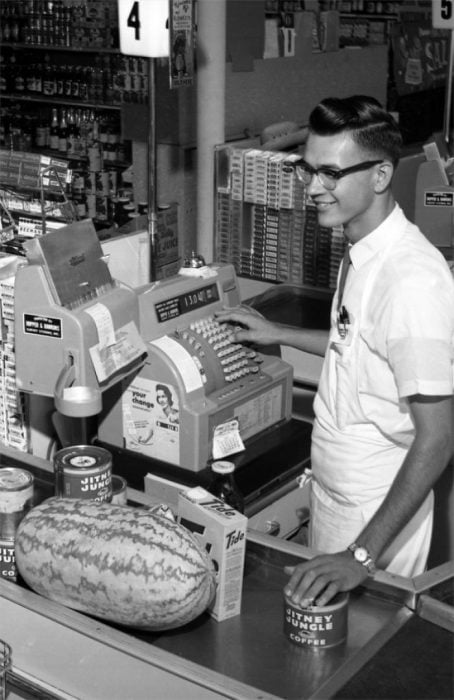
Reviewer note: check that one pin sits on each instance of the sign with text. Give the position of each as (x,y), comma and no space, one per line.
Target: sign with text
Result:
(420,55)
(443,14)
(143,26)
(181,43)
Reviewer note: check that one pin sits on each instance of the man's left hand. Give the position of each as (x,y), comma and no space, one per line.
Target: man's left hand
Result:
(317,581)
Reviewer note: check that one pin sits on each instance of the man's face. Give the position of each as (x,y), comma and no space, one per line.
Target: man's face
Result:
(351,203)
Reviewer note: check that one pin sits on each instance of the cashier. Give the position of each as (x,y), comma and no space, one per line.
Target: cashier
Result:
(383,423)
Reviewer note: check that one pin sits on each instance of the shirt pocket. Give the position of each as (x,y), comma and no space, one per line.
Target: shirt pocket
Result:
(348,405)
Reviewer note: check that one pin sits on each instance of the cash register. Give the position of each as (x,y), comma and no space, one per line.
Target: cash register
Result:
(199,395)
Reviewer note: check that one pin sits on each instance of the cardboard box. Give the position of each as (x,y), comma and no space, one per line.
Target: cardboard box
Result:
(222,531)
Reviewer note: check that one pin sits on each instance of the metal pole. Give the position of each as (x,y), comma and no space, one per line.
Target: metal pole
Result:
(211,45)
(152,170)
(449,98)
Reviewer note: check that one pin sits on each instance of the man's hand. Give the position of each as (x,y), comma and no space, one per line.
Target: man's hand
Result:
(251,326)
(322,577)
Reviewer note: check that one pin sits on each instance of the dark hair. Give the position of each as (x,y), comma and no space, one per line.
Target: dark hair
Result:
(166,390)
(370,126)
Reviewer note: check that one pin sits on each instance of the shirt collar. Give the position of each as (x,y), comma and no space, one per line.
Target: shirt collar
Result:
(377,240)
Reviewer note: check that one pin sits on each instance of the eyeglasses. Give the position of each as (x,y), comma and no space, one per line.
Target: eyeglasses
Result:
(328,176)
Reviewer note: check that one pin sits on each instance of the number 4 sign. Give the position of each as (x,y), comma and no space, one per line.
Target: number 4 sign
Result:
(143,27)
(443,14)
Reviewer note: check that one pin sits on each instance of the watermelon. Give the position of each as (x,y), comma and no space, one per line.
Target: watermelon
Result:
(119,563)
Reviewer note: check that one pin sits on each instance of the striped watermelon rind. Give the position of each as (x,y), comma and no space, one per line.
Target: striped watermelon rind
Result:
(118,563)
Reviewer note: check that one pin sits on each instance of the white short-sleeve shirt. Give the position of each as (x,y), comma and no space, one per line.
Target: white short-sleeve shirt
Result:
(400,298)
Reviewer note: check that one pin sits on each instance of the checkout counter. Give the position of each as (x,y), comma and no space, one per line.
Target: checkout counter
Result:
(399,642)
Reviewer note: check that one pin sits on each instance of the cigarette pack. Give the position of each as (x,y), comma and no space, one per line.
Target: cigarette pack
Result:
(222,531)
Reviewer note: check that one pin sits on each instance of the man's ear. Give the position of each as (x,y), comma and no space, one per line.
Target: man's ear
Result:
(383,177)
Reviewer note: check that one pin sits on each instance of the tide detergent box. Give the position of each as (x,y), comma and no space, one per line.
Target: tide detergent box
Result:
(222,531)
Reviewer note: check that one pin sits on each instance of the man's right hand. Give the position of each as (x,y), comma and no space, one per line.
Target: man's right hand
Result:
(249,326)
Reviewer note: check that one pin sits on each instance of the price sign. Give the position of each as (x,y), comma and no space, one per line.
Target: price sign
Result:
(443,14)
(143,27)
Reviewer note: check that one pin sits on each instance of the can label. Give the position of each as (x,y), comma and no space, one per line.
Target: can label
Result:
(8,571)
(16,499)
(317,626)
(84,472)
(16,489)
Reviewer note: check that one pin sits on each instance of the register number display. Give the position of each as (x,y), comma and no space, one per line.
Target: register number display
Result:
(183,303)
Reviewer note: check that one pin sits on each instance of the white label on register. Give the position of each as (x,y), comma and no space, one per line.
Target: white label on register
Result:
(104,324)
(127,347)
(227,440)
(182,359)
(260,412)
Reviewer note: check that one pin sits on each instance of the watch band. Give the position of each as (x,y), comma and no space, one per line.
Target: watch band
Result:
(362,556)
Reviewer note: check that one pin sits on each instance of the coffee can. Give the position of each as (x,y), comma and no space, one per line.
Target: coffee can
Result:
(83,471)
(316,626)
(16,499)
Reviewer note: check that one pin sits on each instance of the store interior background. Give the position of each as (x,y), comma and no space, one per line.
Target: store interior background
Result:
(238,94)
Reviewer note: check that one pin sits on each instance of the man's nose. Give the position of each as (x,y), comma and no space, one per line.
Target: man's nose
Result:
(315,186)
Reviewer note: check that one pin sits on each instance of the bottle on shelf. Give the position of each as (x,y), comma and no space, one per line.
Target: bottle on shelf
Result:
(94,148)
(3,74)
(73,145)
(54,131)
(49,78)
(41,132)
(224,486)
(19,79)
(84,127)
(63,133)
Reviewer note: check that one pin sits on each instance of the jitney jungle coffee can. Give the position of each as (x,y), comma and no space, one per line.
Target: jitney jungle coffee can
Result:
(16,499)
(83,471)
(317,627)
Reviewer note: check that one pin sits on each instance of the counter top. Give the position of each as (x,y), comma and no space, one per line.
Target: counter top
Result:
(247,656)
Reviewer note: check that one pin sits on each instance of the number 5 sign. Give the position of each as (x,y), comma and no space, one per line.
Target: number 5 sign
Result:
(443,14)
(143,27)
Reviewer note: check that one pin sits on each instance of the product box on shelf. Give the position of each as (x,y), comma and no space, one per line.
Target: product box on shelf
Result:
(222,531)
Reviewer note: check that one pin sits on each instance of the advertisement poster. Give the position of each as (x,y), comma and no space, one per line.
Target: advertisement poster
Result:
(182,45)
(420,56)
(151,419)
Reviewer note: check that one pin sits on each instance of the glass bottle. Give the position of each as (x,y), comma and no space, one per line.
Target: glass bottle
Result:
(224,486)
(63,133)
(49,78)
(72,133)
(54,131)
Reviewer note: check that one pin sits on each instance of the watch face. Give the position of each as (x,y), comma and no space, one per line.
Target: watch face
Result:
(360,554)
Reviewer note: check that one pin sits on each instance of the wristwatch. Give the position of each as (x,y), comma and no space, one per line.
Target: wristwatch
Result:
(362,556)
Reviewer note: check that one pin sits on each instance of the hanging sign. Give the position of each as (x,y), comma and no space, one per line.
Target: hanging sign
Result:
(181,43)
(143,26)
(420,55)
(443,14)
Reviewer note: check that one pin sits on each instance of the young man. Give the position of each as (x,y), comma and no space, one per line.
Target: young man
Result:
(383,411)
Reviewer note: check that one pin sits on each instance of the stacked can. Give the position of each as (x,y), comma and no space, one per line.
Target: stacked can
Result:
(16,499)
(83,471)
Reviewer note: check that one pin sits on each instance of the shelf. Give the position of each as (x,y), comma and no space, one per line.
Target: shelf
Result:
(53,47)
(367,15)
(60,101)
